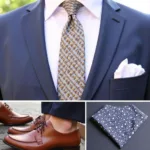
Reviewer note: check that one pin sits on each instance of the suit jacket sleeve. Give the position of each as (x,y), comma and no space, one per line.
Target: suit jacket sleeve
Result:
(2,37)
(147,96)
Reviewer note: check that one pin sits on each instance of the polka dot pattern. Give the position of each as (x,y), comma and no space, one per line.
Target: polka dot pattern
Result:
(120,123)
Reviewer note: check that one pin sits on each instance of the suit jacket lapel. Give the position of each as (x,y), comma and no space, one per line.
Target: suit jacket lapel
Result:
(110,33)
(33,30)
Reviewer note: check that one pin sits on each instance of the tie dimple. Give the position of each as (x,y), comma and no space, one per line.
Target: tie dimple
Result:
(71,6)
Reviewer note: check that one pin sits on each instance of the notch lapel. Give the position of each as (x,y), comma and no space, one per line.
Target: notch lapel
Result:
(110,33)
(33,30)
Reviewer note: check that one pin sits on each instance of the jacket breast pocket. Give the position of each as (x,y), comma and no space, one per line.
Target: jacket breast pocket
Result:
(133,88)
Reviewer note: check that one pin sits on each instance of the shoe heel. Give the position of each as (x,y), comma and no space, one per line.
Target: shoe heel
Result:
(72,148)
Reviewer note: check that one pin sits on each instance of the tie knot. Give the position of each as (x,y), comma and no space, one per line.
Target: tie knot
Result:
(71,6)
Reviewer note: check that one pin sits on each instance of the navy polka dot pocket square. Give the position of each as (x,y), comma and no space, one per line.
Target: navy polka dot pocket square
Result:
(120,123)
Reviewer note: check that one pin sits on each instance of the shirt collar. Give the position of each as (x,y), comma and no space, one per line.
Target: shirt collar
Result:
(94,6)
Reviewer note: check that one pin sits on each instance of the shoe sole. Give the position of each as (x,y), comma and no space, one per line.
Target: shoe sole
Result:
(20,124)
(67,148)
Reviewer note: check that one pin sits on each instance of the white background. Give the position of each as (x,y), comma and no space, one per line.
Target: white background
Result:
(141,5)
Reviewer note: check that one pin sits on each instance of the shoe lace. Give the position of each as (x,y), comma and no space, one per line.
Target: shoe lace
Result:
(38,120)
(41,127)
(7,106)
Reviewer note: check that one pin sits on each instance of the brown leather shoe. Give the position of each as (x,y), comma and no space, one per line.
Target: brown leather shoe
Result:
(22,130)
(9,117)
(44,138)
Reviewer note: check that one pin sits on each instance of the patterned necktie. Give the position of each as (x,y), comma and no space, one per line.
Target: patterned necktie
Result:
(71,68)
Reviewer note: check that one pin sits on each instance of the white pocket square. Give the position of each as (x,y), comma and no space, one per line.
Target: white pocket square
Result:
(126,70)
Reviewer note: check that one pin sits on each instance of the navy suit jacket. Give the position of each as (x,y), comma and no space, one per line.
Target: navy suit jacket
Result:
(25,72)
